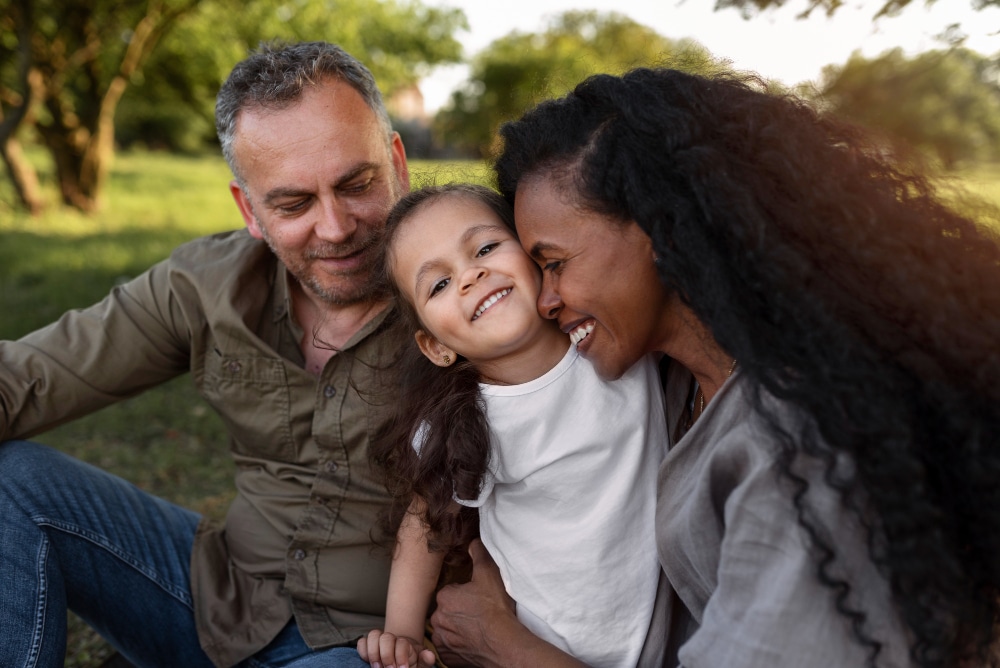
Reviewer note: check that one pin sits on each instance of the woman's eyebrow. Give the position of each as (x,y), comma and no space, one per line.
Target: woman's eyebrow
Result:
(539,249)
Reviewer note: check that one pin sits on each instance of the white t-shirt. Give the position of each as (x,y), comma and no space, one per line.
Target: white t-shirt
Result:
(568,507)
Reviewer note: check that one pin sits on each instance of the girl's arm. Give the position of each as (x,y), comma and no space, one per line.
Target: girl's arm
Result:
(414,575)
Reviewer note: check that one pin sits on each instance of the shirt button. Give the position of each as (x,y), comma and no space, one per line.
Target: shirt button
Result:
(299,555)
(329,391)
(235,367)
(331,466)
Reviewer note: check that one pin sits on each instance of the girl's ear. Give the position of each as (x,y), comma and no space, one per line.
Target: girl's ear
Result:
(434,350)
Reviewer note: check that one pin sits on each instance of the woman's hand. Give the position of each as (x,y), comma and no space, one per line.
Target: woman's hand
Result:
(382,649)
(475,624)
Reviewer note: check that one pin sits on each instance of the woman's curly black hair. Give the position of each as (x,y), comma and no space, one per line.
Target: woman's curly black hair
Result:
(844,287)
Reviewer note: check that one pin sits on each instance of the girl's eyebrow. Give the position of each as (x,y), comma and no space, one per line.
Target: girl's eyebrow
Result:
(467,236)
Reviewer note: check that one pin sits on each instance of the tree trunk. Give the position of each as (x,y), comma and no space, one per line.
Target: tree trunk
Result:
(22,176)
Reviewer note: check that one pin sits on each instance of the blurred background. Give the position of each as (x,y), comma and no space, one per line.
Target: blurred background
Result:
(110,158)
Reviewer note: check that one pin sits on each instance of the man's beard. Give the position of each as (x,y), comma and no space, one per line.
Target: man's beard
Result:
(361,287)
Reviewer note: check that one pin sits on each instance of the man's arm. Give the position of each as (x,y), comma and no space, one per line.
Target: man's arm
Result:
(93,357)
(476,624)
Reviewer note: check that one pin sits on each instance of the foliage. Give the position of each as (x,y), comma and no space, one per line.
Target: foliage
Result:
(84,55)
(749,8)
(172,103)
(517,71)
(80,55)
(944,103)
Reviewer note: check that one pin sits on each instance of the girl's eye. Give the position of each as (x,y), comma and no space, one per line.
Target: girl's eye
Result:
(487,249)
(439,286)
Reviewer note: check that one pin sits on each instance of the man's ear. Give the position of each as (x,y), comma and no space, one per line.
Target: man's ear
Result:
(399,165)
(434,350)
(243,204)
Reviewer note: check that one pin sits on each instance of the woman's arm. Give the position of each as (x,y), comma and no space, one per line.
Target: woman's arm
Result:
(414,574)
(475,624)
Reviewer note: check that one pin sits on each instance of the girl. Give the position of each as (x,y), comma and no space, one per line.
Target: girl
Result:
(500,413)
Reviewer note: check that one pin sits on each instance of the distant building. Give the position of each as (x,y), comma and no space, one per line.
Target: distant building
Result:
(410,119)
(407,104)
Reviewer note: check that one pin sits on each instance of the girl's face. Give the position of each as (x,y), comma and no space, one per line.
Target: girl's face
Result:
(599,280)
(473,287)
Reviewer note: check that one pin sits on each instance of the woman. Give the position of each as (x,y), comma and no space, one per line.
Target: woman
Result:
(832,492)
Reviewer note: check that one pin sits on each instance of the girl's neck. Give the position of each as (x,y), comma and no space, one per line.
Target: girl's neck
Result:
(536,361)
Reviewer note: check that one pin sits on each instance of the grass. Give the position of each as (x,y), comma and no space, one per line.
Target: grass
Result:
(166,441)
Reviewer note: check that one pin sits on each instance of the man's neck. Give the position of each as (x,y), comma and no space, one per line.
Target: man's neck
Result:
(326,328)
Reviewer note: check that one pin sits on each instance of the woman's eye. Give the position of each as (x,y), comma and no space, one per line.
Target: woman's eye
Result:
(439,286)
(487,249)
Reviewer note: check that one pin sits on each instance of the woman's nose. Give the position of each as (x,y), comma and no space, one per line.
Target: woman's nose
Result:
(549,303)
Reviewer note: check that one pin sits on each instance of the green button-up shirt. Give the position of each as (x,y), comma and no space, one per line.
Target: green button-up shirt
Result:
(297,538)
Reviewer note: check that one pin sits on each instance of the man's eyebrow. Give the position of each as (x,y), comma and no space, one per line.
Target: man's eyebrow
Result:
(283,192)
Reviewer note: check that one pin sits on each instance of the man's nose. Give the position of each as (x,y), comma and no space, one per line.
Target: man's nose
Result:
(336,223)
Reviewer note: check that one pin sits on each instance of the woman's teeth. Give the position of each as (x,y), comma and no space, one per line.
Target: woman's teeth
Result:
(580,333)
(490,302)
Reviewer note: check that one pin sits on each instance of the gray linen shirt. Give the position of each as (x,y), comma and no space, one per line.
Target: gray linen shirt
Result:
(735,554)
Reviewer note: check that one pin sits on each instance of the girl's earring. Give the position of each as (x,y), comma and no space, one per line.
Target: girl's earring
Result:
(447,359)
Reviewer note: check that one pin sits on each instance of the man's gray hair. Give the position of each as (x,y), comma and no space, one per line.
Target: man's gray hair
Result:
(274,77)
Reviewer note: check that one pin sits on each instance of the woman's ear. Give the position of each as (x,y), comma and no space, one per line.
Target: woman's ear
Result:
(434,350)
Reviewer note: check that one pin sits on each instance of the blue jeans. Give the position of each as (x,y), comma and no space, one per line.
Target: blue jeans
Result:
(73,536)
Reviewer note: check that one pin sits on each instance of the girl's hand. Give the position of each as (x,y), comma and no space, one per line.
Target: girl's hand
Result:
(387,650)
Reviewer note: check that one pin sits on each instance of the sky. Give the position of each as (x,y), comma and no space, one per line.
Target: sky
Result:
(774,44)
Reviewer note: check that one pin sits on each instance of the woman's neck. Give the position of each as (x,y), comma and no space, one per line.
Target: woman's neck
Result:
(691,344)
(535,361)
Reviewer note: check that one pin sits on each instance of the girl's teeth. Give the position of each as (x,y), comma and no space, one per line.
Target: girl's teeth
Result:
(490,302)
(580,334)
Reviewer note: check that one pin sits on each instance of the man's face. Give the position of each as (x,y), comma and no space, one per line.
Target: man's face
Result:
(320,177)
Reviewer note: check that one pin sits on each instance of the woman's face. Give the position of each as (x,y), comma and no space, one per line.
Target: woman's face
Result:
(599,280)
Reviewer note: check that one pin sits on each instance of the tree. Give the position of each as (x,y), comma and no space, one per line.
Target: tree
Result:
(944,103)
(749,8)
(80,56)
(15,57)
(69,63)
(172,104)
(517,71)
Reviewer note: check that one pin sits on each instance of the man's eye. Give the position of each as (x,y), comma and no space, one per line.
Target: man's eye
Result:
(293,207)
(439,286)
(554,266)
(357,188)
(485,250)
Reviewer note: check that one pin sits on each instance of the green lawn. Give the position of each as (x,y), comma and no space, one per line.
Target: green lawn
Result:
(166,440)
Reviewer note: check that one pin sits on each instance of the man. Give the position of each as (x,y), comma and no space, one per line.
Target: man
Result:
(283,329)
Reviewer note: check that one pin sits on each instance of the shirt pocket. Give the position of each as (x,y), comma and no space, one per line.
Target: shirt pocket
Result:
(252,396)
